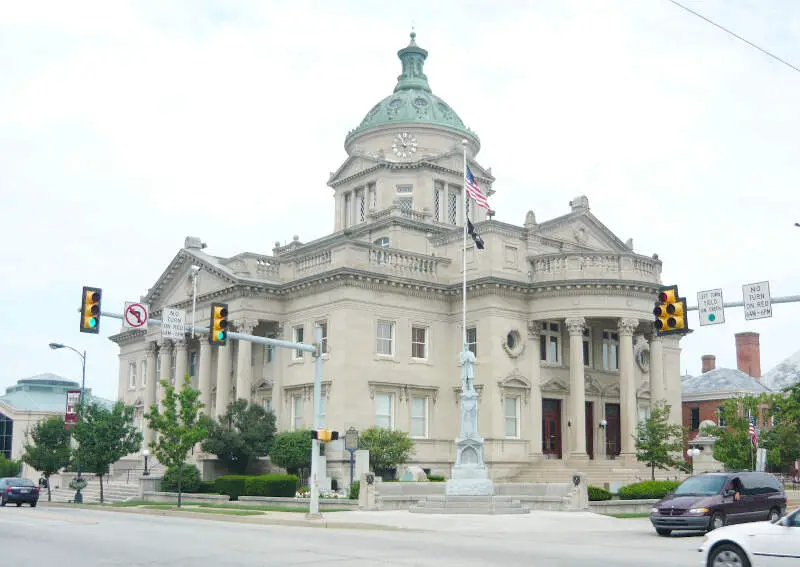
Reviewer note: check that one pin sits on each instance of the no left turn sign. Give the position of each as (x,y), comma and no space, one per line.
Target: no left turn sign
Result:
(135,315)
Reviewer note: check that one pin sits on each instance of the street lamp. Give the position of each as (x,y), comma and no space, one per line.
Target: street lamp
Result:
(56,346)
(146,454)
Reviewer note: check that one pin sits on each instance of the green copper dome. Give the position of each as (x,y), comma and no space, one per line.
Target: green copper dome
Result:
(412,99)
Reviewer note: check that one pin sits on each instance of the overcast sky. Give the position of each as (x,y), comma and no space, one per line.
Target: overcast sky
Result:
(126,126)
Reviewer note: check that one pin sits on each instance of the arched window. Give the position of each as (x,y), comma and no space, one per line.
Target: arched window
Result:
(383,242)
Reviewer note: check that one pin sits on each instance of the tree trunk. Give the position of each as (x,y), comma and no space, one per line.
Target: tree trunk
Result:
(101,488)
(653,471)
(49,495)
(180,479)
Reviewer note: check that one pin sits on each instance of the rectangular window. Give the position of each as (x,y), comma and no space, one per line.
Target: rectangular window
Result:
(549,342)
(384,410)
(610,350)
(694,423)
(361,203)
(438,197)
(385,338)
(587,347)
(419,416)
(721,417)
(406,204)
(269,353)
(511,405)
(193,363)
(405,189)
(268,404)
(158,366)
(298,338)
(472,340)
(372,197)
(348,210)
(324,326)
(452,206)
(132,375)
(419,343)
(297,413)
(143,373)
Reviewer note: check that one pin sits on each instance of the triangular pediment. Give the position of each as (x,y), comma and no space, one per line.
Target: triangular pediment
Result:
(612,390)
(174,286)
(643,391)
(353,165)
(583,231)
(593,386)
(556,385)
(515,380)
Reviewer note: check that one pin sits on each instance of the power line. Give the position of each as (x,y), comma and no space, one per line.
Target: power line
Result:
(726,30)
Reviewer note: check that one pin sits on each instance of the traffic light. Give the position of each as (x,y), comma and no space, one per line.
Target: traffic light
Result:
(219,324)
(324,434)
(670,312)
(90,310)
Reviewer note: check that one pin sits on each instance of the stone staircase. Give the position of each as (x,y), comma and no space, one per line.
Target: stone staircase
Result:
(113,491)
(598,472)
(469,505)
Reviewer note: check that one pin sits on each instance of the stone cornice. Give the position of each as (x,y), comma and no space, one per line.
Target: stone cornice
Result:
(126,337)
(482,228)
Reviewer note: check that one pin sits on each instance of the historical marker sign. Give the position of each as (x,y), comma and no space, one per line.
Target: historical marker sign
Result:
(757,301)
(135,315)
(173,323)
(710,307)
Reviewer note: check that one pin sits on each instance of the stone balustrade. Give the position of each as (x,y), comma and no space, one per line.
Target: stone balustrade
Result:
(406,264)
(593,266)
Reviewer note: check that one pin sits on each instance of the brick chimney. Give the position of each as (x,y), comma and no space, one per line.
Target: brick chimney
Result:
(709,362)
(748,354)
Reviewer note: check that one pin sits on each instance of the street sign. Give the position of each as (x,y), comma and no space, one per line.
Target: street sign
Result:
(135,315)
(709,304)
(757,301)
(71,413)
(173,323)
(351,439)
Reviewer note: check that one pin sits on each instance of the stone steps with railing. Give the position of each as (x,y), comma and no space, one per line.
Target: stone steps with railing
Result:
(112,492)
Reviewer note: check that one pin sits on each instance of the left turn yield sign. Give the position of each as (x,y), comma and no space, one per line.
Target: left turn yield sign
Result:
(135,315)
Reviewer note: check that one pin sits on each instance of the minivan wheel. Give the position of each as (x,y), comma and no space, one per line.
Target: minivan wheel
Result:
(663,531)
(717,522)
(774,515)
(728,555)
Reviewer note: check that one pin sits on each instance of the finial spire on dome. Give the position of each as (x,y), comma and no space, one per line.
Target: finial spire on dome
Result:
(413,59)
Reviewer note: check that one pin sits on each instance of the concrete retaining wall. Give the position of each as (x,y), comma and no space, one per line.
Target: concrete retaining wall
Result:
(324,503)
(185,498)
(622,506)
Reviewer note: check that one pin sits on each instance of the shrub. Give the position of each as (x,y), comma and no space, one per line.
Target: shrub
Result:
(207,487)
(648,489)
(354,490)
(597,494)
(232,484)
(283,485)
(190,480)
(9,467)
(435,478)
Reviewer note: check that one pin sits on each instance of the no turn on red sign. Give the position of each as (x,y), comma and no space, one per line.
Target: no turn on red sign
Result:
(135,315)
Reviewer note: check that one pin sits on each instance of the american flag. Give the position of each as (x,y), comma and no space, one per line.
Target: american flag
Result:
(753,432)
(474,191)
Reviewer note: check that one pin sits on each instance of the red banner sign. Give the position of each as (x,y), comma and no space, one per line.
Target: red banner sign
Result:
(71,415)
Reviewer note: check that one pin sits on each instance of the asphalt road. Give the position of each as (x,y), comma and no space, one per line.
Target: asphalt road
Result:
(95,538)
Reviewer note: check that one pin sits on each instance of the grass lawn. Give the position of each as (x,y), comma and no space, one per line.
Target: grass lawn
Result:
(203,510)
(252,508)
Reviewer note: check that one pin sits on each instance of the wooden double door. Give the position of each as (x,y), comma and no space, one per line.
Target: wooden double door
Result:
(552,443)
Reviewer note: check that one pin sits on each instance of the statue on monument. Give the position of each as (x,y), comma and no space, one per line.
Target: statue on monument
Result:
(467,371)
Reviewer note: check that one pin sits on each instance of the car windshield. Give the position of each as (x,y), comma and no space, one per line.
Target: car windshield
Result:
(700,486)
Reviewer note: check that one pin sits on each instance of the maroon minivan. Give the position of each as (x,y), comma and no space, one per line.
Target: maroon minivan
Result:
(708,501)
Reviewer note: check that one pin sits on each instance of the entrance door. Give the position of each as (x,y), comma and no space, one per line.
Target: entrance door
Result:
(551,428)
(613,432)
(590,429)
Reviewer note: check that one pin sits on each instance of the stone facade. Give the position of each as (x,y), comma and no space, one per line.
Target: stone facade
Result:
(559,312)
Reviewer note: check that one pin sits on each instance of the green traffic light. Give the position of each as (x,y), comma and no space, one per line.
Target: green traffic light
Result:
(220,336)
(92,323)
(711,317)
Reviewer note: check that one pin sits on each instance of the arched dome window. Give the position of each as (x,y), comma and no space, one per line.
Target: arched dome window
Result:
(383,242)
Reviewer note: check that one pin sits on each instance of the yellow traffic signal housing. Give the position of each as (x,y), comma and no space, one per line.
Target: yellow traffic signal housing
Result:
(324,434)
(90,310)
(670,312)
(219,324)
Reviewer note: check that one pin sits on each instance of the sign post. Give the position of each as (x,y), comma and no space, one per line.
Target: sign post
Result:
(351,445)
(173,323)
(757,301)
(135,315)
(710,306)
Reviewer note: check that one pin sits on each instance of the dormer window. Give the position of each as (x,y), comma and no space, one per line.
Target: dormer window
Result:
(383,242)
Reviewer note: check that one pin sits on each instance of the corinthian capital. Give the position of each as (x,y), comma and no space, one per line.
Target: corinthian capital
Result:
(165,344)
(180,344)
(626,326)
(575,325)
(245,326)
(534,329)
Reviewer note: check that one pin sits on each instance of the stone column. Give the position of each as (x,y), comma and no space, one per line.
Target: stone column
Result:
(657,393)
(204,378)
(223,378)
(165,355)
(577,388)
(244,369)
(535,370)
(150,390)
(181,362)
(627,386)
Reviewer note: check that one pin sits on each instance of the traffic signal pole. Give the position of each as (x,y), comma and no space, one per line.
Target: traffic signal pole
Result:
(785,299)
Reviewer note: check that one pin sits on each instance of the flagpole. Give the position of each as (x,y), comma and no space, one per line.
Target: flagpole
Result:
(464,251)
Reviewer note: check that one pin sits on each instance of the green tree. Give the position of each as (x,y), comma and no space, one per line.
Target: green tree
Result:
(783,440)
(50,451)
(291,450)
(104,436)
(179,427)
(9,467)
(387,448)
(243,434)
(733,447)
(659,443)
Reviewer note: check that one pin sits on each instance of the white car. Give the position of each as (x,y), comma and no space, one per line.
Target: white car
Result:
(755,544)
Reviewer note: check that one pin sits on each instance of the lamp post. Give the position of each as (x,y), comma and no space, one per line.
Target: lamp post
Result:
(146,454)
(56,346)
(691,453)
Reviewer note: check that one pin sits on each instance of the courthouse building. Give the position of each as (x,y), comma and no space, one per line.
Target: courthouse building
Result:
(559,311)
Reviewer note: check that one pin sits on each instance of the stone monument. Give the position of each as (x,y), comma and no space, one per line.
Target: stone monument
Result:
(469,476)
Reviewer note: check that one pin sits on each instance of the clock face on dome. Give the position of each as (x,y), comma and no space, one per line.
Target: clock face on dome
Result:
(404,145)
